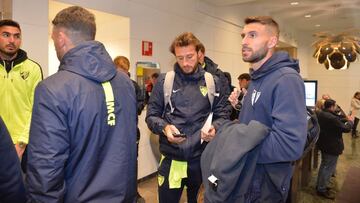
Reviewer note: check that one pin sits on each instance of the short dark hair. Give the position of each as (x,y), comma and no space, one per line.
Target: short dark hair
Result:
(329,103)
(79,22)
(264,20)
(9,22)
(155,75)
(245,76)
(185,39)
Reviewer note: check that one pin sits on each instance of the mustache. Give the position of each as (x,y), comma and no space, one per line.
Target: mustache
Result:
(246,48)
(11,44)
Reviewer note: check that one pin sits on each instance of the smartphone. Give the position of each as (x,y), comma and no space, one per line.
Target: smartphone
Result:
(179,135)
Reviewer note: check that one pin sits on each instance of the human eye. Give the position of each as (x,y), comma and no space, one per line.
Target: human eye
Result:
(5,34)
(180,58)
(252,34)
(17,36)
(188,57)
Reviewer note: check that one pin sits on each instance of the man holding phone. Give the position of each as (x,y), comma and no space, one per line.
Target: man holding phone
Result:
(179,123)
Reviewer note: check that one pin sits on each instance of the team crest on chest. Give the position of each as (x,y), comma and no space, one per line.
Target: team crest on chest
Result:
(24,75)
(203,90)
(255,96)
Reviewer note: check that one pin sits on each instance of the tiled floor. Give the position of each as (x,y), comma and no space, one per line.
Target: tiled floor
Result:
(349,158)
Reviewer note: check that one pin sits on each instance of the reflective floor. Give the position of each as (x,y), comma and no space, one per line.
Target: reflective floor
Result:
(349,158)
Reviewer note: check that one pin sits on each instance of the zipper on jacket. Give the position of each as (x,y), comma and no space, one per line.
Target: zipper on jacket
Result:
(12,66)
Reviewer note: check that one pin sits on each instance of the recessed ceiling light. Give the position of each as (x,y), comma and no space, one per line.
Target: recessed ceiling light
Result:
(294,3)
(317,25)
(307,16)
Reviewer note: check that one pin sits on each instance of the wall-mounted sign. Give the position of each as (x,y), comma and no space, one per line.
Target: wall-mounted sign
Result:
(146,48)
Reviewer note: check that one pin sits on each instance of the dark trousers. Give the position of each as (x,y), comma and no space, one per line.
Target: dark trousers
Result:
(356,121)
(192,182)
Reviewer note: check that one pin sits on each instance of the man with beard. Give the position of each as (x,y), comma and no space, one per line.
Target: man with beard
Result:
(244,81)
(276,98)
(186,114)
(19,76)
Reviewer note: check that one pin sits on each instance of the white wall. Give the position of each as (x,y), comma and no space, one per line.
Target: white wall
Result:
(112,30)
(33,20)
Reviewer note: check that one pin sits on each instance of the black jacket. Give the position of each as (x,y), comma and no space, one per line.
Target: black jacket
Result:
(331,129)
(11,182)
(213,68)
(192,107)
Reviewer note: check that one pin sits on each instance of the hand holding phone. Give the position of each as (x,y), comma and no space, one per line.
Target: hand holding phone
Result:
(179,135)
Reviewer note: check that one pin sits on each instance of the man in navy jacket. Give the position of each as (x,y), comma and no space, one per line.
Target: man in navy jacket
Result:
(180,163)
(83,130)
(275,98)
(11,181)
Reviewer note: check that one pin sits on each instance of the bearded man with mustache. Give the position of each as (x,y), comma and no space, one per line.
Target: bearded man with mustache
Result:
(19,76)
(275,98)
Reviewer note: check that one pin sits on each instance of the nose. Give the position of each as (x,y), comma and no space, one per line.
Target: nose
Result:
(185,61)
(11,38)
(244,41)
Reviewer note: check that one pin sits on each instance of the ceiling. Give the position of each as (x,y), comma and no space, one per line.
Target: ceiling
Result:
(326,15)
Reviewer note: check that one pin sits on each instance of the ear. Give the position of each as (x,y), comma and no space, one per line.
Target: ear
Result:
(272,42)
(61,39)
(64,41)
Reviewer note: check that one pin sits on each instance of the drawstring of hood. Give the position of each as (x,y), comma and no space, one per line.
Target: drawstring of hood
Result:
(8,65)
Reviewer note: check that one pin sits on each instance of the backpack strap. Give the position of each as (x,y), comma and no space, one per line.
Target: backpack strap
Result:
(168,86)
(210,85)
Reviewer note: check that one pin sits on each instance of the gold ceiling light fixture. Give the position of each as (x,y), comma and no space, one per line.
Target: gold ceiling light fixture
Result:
(336,51)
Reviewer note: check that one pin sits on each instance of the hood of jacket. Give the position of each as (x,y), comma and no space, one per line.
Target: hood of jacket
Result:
(277,61)
(90,60)
(20,57)
(210,65)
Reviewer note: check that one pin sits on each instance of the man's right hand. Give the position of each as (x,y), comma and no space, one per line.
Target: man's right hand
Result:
(350,118)
(169,130)
(233,98)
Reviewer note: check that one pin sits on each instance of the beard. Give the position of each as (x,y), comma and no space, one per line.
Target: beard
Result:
(191,68)
(255,57)
(9,54)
